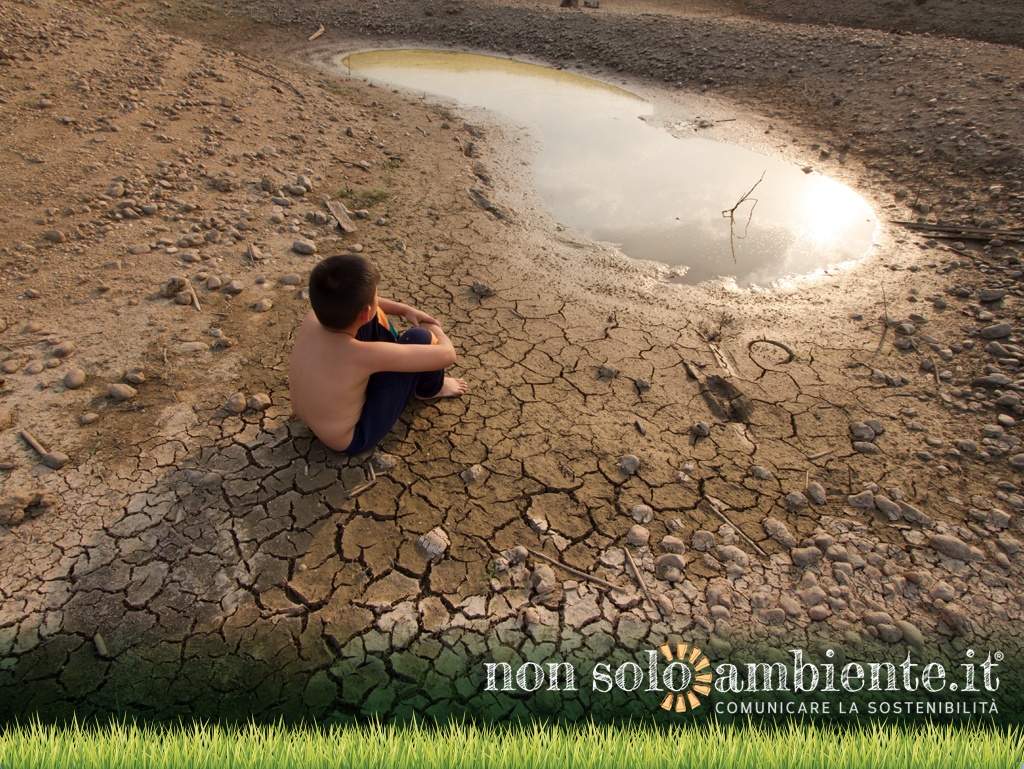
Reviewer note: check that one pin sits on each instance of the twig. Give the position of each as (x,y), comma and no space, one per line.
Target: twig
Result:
(195,299)
(7,466)
(917,197)
(166,364)
(820,454)
(272,77)
(31,441)
(356,491)
(574,572)
(317,34)
(885,326)
(717,511)
(640,580)
(730,214)
(981,232)
(885,330)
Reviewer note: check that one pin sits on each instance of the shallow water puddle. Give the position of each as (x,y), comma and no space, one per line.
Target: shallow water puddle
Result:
(605,171)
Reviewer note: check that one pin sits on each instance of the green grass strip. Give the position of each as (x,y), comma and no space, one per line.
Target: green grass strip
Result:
(465,746)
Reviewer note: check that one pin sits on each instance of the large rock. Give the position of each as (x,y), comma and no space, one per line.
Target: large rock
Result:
(805,556)
(954,547)
(996,331)
(122,392)
(778,531)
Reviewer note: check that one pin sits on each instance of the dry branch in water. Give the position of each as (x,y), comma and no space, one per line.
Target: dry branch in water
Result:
(730,214)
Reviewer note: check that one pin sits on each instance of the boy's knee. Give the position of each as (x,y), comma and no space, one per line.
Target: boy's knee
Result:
(416,335)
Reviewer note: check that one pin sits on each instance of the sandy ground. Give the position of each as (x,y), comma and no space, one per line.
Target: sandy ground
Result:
(833,465)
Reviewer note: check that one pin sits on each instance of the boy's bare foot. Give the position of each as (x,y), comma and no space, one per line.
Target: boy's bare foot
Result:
(452,388)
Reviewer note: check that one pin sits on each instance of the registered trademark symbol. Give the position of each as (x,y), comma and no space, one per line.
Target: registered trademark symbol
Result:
(999,656)
(953,687)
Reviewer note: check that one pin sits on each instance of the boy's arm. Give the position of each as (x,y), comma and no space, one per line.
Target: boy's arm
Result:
(384,356)
(414,316)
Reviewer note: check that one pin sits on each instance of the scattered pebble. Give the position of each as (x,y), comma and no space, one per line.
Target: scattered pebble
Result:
(630,463)
(259,402)
(482,289)
(304,247)
(434,544)
(816,493)
(638,536)
(472,474)
(641,513)
(122,392)
(795,501)
(236,403)
(74,378)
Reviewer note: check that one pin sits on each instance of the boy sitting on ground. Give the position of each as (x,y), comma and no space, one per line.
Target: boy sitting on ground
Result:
(351,375)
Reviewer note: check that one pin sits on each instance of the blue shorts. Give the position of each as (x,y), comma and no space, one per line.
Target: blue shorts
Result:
(389,392)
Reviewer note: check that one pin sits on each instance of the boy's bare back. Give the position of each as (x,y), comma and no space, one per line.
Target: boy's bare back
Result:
(327,379)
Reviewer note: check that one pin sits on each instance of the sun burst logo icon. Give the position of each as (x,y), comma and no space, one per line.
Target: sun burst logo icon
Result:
(694,673)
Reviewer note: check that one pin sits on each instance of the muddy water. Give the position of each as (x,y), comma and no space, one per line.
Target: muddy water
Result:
(611,169)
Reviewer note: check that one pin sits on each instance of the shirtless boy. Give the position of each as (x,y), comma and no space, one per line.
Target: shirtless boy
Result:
(351,376)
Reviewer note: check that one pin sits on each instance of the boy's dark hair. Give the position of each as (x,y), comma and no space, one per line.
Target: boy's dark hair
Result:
(340,287)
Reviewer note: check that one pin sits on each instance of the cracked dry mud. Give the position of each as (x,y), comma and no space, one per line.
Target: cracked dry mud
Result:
(784,469)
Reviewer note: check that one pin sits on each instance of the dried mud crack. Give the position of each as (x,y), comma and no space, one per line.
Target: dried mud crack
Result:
(831,468)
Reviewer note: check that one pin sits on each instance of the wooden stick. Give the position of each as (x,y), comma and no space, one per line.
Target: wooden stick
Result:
(31,441)
(819,455)
(272,77)
(948,228)
(317,34)
(357,490)
(341,216)
(714,505)
(640,580)
(574,572)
